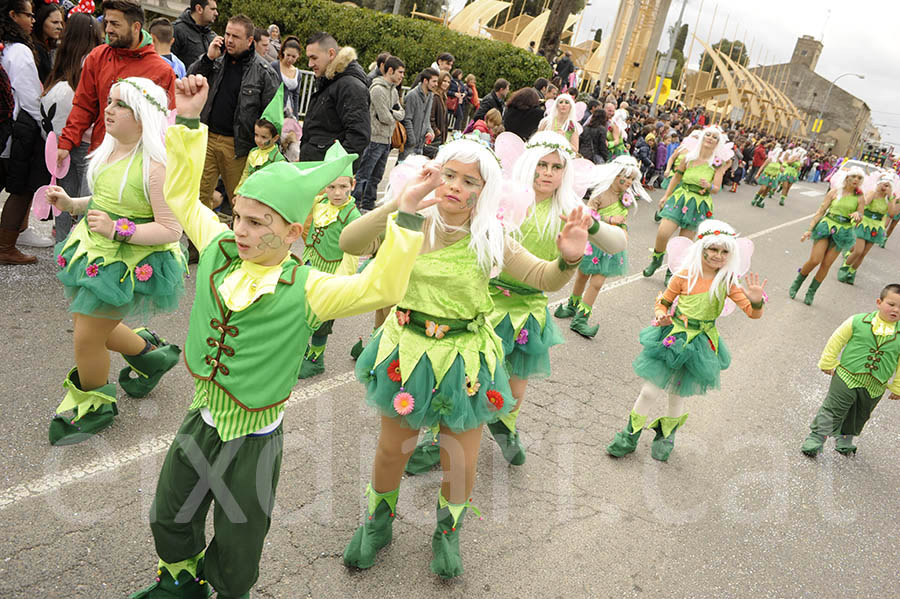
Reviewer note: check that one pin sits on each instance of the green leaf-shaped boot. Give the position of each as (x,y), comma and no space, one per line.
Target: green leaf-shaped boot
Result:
(626,440)
(82,414)
(375,533)
(149,367)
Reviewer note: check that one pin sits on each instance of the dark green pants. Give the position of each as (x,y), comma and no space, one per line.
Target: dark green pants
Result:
(241,475)
(845,411)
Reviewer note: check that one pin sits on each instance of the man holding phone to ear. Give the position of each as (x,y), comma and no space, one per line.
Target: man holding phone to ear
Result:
(241,85)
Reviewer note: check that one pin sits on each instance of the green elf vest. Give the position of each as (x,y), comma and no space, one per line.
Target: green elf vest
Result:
(323,250)
(251,355)
(868,355)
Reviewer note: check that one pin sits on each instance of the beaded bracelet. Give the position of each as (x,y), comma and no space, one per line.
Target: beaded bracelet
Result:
(124,230)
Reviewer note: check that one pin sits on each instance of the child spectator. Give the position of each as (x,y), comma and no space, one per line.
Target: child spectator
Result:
(163,35)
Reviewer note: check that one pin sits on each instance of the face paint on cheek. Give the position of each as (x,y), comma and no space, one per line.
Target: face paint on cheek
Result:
(269,241)
(471,200)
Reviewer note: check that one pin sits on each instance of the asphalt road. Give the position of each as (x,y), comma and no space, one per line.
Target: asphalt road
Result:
(736,512)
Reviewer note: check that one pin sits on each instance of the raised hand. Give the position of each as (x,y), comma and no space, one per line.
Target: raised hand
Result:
(190,95)
(414,196)
(755,290)
(56,196)
(573,237)
(806,235)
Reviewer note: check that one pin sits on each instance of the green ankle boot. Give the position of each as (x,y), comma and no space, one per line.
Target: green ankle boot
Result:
(664,441)
(568,309)
(313,363)
(580,324)
(377,531)
(851,276)
(762,202)
(795,286)
(149,367)
(755,199)
(427,454)
(842,273)
(447,562)
(91,412)
(187,584)
(626,440)
(811,292)
(781,200)
(655,262)
(357,349)
(813,444)
(844,444)
(507,438)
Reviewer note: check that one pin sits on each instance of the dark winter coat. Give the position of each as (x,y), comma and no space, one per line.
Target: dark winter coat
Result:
(492,100)
(523,122)
(191,40)
(592,144)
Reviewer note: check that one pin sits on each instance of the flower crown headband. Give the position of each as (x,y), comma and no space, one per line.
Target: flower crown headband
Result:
(546,144)
(477,138)
(716,232)
(145,94)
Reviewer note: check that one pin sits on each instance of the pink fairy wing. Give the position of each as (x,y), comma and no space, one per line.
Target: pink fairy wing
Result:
(39,204)
(871,181)
(689,143)
(676,250)
(292,125)
(516,200)
(508,147)
(745,253)
(170,120)
(584,172)
(580,107)
(406,170)
(726,152)
(50,149)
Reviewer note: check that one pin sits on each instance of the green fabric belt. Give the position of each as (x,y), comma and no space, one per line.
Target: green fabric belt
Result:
(873,215)
(838,218)
(694,188)
(517,289)
(419,321)
(693,323)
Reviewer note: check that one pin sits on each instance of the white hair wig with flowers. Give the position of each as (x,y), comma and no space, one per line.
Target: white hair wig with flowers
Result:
(837,179)
(553,111)
(485,229)
(722,153)
(713,233)
(148,101)
(564,198)
(627,166)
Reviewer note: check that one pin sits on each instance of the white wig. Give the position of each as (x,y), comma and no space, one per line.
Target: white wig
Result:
(694,153)
(774,154)
(605,174)
(837,180)
(564,199)
(713,233)
(485,229)
(571,119)
(620,119)
(153,123)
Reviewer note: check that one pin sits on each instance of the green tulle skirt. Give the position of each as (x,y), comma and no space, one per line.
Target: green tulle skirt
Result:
(110,291)
(768,180)
(528,354)
(680,368)
(870,234)
(843,237)
(788,175)
(601,263)
(686,208)
(456,403)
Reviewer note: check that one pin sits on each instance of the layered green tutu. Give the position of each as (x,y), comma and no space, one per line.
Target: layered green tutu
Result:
(870,234)
(106,286)
(527,350)
(681,368)
(842,236)
(770,175)
(455,402)
(789,175)
(687,208)
(601,263)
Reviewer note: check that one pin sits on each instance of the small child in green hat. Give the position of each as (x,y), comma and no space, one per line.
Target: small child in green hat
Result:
(266,134)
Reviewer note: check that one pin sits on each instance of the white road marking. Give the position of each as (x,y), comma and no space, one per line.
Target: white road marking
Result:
(160,443)
(811,194)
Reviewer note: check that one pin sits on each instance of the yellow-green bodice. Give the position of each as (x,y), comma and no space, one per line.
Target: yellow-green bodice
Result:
(614,209)
(134,202)
(701,312)
(693,174)
(541,244)
(844,206)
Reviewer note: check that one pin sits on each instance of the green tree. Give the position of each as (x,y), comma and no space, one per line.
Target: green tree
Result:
(681,38)
(735,50)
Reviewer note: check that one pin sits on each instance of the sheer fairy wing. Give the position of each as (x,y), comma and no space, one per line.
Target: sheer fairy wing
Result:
(508,147)
(745,253)
(689,143)
(50,158)
(515,201)
(406,170)
(871,181)
(583,175)
(676,250)
(170,119)
(725,152)
(580,107)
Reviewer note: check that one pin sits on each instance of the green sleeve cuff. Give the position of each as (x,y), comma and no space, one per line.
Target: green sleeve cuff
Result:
(757,305)
(595,226)
(564,266)
(189,123)
(413,222)
(665,302)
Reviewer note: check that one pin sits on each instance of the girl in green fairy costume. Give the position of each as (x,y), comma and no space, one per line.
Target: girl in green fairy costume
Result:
(833,228)
(688,198)
(793,161)
(615,187)
(437,362)
(879,203)
(770,174)
(683,353)
(122,260)
(561,119)
(617,131)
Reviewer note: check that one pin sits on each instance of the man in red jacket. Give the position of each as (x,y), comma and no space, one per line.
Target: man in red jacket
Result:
(759,157)
(128,52)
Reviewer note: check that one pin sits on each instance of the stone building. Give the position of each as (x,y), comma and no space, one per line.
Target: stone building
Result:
(846,118)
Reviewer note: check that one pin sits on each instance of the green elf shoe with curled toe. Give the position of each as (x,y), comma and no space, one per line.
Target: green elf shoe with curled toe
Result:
(148,366)
(507,438)
(844,444)
(568,309)
(446,561)
(91,412)
(377,531)
(626,440)
(427,454)
(314,362)
(664,442)
(813,444)
(357,349)
(186,583)
(795,286)
(580,322)
(655,262)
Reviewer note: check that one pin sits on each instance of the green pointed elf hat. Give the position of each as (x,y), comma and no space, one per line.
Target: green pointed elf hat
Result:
(274,112)
(334,152)
(290,188)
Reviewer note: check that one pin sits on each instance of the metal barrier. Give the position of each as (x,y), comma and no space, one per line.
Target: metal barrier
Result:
(308,85)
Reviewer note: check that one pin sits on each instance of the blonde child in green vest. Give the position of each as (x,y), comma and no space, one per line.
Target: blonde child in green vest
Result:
(266,134)
(255,307)
(861,357)
(331,212)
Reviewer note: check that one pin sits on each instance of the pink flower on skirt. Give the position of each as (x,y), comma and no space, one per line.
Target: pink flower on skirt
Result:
(684,210)
(404,403)
(588,250)
(522,338)
(92,270)
(61,261)
(668,341)
(143,272)
(595,260)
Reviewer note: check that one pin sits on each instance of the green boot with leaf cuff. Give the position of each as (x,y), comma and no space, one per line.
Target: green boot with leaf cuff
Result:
(427,454)
(188,583)
(507,438)
(655,262)
(626,440)
(376,532)
(811,292)
(91,412)
(795,286)
(580,321)
(664,442)
(314,362)
(447,562)
(150,365)
(568,309)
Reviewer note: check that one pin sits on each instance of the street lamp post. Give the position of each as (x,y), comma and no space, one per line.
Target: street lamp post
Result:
(655,104)
(825,103)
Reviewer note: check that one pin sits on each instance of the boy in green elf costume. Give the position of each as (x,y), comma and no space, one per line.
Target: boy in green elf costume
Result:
(266,133)
(255,307)
(331,212)
(861,356)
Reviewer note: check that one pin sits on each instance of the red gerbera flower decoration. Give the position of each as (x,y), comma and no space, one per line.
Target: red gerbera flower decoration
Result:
(708,214)
(495,398)
(874,233)
(393,371)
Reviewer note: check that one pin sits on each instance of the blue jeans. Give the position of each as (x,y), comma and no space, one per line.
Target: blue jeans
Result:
(369,174)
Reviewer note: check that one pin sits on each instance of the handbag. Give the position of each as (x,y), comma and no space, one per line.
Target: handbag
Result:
(452,103)
(398,137)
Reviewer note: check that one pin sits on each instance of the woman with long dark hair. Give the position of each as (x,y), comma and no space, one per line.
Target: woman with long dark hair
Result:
(16,22)
(82,34)
(592,141)
(523,113)
(290,52)
(439,118)
(49,22)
